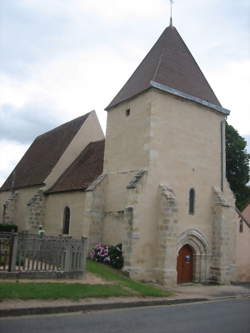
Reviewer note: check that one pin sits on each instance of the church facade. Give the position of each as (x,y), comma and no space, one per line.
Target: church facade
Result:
(156,183)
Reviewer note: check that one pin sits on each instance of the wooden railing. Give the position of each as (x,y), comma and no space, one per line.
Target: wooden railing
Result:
(33,254)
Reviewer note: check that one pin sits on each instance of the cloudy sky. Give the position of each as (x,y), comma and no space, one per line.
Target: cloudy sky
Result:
(60,59)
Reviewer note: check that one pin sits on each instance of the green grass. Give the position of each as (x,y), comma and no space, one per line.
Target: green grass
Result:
(119,285)
(73,291)
(110,274)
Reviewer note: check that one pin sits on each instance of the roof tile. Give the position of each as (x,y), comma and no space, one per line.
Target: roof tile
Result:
(83,171)
(169,63)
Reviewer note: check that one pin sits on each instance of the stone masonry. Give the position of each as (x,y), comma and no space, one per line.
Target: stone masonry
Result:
(35,209)
(9,211)
(167,235)
(223,240)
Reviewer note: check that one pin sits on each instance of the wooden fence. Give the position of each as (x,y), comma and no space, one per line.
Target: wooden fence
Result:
(24,254)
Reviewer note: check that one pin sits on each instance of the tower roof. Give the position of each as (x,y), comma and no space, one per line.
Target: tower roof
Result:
(171,66)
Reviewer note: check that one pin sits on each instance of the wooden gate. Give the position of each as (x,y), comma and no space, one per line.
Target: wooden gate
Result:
(185,264)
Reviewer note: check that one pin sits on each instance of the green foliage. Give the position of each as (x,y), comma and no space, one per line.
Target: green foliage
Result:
(8,227)
(116,257)
(108,254)
(237,170)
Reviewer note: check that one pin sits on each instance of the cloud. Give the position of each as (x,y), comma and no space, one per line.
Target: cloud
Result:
(11,153)
(22,125)
(247,138)
(232,85)
(34,31)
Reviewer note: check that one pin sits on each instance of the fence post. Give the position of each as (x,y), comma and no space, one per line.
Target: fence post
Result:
(84,255)
(67,267)
(13,252)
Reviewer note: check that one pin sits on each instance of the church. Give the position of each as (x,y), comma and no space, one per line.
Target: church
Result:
(156,183)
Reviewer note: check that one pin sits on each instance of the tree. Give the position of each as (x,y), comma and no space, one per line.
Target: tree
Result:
(237,166)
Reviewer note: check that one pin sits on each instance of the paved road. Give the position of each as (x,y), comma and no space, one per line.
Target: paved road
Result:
(229,316)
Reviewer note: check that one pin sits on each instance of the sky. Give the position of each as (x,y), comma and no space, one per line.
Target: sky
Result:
(60,59)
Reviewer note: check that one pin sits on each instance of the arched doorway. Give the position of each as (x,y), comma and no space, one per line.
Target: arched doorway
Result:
(185,264)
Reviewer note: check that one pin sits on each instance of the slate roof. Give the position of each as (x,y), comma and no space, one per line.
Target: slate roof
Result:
(168,63)
(83,171)
(42,155)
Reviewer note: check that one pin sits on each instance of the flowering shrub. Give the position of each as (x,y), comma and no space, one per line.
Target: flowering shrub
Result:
(108,254)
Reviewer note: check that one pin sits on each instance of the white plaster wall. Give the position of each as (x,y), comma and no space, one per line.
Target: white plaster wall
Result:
(185,153)
(127,138)
(55,205)
(243,254)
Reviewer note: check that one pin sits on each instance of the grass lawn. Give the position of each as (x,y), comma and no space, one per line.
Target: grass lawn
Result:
(72,291)
(110,274)
(119,285)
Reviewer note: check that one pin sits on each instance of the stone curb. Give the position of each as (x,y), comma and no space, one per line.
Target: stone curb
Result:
(94,307)
(109,306)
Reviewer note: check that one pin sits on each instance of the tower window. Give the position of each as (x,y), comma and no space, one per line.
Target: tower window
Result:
(127,112)
(66,220)
(191,201)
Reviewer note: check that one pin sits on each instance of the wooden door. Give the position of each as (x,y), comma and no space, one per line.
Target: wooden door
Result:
(185,264)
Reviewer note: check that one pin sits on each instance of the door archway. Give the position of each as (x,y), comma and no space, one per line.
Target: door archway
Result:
(201,254)
(185,264)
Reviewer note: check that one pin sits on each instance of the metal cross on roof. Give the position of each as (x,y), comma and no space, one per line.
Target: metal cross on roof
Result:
(171,12)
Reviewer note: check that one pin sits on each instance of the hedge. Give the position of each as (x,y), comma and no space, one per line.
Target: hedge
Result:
(8,227)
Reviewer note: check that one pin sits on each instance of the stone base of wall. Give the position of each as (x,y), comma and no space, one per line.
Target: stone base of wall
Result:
(41,275)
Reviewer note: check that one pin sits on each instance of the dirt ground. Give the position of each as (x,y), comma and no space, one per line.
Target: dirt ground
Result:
(88,278)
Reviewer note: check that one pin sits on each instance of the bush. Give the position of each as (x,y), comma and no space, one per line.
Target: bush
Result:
(108,254)
(8,227)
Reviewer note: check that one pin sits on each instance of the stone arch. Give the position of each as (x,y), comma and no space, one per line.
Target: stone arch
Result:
(199,243)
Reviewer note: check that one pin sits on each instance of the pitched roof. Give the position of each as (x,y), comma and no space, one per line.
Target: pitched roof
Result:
(83,171)
(42,155)
(171,64)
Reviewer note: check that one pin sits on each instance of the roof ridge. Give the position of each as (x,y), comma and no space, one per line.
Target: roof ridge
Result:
(84,117)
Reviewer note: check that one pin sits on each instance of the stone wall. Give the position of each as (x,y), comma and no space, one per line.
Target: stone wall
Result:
(223,259)
(94,211)
(36,211)
(167,236)
(9,209)
(55,210)
(243,250)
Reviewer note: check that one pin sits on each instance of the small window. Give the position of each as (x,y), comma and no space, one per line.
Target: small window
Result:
(191,201)
(241,226)
(66,220)
(127,112)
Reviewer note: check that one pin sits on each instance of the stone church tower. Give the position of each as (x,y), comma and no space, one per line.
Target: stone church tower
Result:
(165,195)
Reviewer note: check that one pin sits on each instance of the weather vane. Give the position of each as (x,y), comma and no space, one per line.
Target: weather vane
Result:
(171,12)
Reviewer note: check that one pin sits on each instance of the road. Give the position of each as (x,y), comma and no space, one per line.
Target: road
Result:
(228,316)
